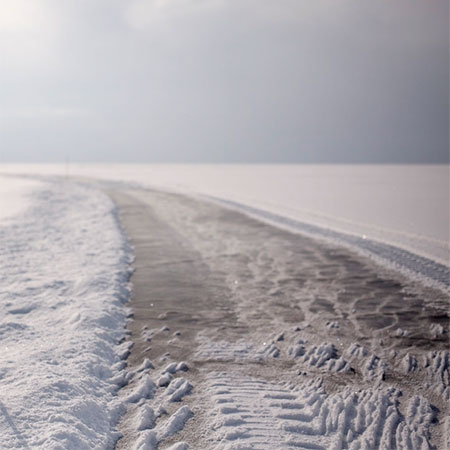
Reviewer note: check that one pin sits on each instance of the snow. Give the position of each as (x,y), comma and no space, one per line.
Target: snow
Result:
(176,422)
(145,389)
(404,206)
(327,378)
(251,412)
(15,196)
(63,293)
(146,418)
(63,284)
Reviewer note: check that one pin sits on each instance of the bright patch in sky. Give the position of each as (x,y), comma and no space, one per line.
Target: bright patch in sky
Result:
(20,15)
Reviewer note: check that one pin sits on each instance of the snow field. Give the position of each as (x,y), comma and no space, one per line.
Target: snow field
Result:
(405,206)
(64,283)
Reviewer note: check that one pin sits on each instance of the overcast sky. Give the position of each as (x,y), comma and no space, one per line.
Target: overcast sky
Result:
(224,80)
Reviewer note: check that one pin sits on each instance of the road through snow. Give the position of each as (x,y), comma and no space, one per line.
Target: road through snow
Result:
(249,336)
(402,205)
(244,335)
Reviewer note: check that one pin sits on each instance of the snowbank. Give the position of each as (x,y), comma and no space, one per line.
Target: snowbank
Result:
(63,285)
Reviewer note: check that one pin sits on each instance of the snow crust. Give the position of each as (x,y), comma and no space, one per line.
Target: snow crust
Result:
(63,288)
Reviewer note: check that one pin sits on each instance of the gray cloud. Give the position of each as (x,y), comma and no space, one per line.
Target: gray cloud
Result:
(211,81)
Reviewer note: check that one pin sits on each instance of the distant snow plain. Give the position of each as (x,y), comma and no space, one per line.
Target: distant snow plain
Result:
(403,205)
(66,265)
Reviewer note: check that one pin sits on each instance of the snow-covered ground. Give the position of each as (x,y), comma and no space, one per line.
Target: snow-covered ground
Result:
(64,287)
(63,282)
(297,344)
(15,196)
(404,206)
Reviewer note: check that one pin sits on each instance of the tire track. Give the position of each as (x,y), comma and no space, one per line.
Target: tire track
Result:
(291,343)
(250,413)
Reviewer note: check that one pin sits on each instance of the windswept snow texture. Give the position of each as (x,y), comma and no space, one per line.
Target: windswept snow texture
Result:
(63,284)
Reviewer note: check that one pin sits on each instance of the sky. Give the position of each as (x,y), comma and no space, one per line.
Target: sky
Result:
(216,81)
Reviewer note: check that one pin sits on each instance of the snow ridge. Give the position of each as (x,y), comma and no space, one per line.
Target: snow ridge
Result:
(63,288)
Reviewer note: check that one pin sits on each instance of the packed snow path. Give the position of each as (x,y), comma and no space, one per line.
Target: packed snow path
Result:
(250,337)
(430,271)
